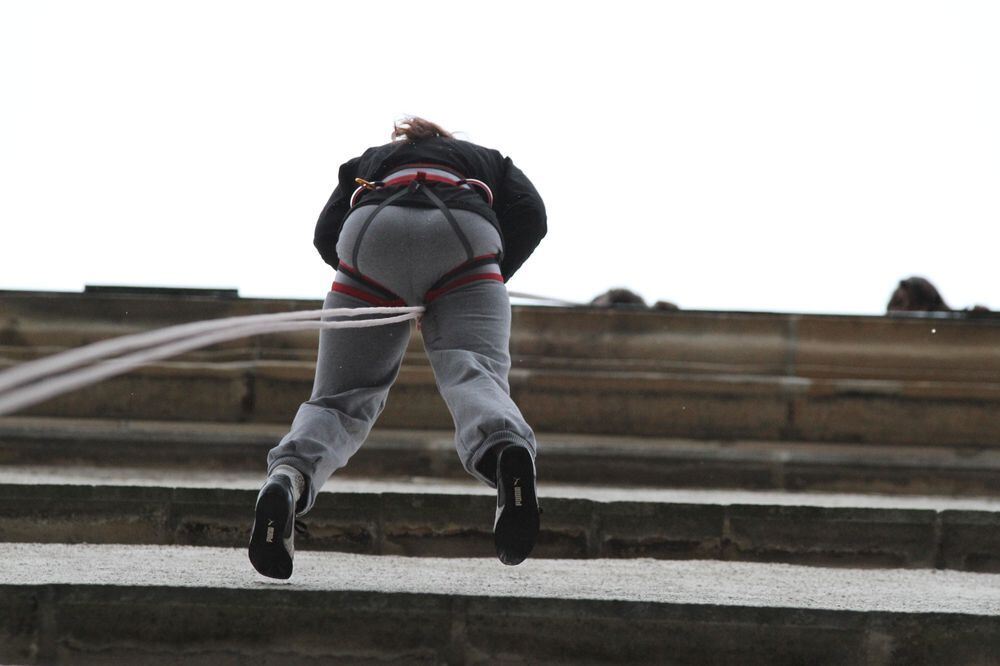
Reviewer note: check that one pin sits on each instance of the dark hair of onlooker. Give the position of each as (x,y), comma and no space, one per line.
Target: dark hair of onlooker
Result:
(415,128)
(916,294)
(618,298)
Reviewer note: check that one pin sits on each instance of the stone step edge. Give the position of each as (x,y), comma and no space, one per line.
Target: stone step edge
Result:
(47,617)
(612,380)
(56,623)
(234,355)
(551,444)
(459,525)
(684,406)
(575,459)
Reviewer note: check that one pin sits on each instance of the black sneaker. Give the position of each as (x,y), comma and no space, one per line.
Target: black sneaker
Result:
(516,525)
(271,540)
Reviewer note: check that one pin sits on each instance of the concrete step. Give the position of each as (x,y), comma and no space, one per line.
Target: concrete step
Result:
(156,604)
(908,380)
(623,402)
(426,518)
(939,347)
(577,459)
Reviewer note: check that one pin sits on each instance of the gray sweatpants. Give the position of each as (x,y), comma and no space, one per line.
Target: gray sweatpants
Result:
(466,333)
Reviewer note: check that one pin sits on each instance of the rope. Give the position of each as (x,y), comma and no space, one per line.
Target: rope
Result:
(98,350)
(155,345)
(542,299)
(33,382)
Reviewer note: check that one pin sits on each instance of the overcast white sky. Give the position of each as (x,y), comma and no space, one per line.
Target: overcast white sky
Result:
(800,156)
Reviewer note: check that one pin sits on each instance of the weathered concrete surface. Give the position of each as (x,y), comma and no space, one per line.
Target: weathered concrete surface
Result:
(905,380)
(655,581)
(27,475)
(801,386)
(96,604)
(602,460)
(909,346)
(419,519)
(633,402)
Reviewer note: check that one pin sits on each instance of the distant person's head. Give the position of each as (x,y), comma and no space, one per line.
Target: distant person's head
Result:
(916,294)
(619,298)
(415,128)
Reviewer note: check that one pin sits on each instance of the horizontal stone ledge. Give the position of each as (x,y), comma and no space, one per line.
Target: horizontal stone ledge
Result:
(959,366)
(952,348)
(734,355)
(664,362)
(618,403)
(460,525)
(113,604)
(571,458)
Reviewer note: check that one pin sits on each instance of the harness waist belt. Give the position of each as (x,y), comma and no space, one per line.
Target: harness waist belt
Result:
(431,175)
(423,174)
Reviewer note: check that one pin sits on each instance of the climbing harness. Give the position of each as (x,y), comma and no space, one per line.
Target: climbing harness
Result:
(33,382)
(428,173)
(453,278)
(414,178)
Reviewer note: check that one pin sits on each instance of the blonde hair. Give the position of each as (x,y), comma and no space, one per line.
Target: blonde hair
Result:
(414,128)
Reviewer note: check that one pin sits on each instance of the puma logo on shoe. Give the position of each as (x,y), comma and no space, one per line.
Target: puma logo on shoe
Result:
(515,527)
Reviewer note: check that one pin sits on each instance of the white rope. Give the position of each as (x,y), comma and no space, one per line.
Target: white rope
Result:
(541,299)
(26,372)
(163,343)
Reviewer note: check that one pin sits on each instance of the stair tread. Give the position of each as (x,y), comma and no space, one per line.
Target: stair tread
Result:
(653,581)
(241,434)
(183,478)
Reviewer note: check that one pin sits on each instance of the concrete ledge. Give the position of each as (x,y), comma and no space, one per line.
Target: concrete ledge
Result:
(114,625)
(114,604)
(966,545)
(632,403)
(460,525)
(580,459)
(943,347)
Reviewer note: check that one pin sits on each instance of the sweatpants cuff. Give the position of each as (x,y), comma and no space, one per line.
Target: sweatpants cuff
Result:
(508,436)
(308,496)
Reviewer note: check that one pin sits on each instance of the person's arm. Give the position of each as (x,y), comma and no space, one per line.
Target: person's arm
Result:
(336,209)
(522,218)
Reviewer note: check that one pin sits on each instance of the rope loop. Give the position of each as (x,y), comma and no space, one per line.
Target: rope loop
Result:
(33,382)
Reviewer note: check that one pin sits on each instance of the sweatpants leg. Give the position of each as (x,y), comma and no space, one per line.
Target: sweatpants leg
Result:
(354,371)
(467,336)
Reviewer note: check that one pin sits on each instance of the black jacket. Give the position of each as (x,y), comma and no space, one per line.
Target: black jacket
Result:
(518,212)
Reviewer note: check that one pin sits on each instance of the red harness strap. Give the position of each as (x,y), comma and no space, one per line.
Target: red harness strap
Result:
(389,300)
(454,279)
(424,173)
(365,296)
(459,282)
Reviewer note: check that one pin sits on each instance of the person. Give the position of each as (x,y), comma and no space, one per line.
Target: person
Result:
(916,294)
(426,219)
(619,297)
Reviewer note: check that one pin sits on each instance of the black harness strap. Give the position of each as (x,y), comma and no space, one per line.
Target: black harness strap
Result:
(451,220)
(378,209)
(415,185)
